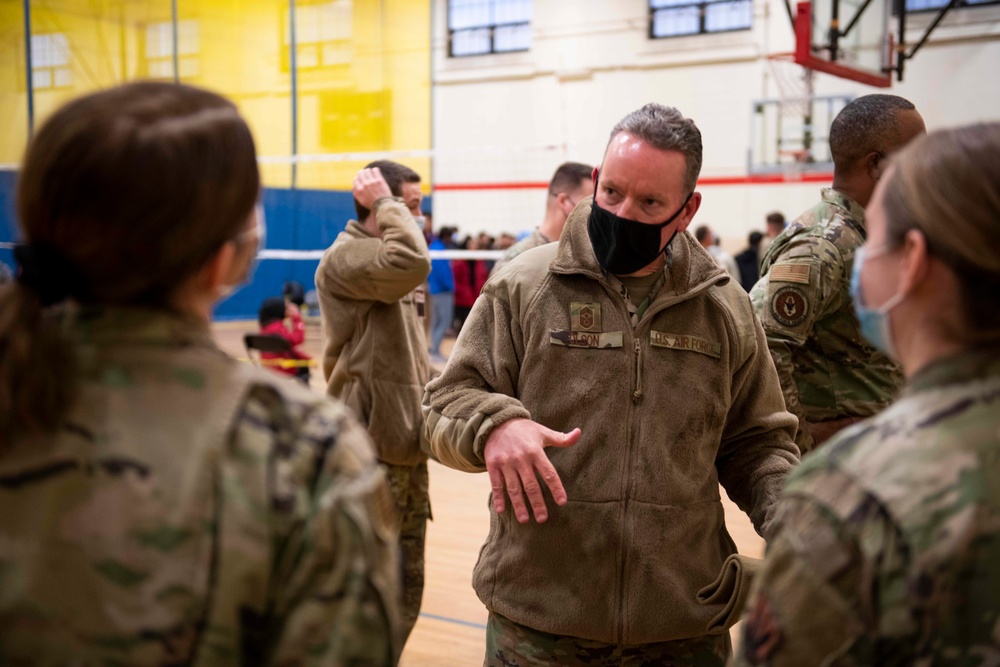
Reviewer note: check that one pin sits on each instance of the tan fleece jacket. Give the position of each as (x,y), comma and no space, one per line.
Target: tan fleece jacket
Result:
(686,400)
(375,349)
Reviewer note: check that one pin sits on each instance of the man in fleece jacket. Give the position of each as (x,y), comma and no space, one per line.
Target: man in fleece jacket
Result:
(627,352)
(370,286)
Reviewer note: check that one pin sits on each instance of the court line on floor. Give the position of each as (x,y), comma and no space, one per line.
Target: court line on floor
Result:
(456,621)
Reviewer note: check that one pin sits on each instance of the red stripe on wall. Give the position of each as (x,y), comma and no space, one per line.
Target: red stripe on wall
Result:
(750,179)
(492,186)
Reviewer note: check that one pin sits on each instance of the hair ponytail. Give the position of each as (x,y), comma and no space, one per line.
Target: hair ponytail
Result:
(38,370)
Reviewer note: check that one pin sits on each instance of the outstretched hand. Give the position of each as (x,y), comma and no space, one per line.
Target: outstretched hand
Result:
(369,185)
(515,457)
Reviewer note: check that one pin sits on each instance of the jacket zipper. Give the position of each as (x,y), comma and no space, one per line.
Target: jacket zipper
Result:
(637,393)
(622,575)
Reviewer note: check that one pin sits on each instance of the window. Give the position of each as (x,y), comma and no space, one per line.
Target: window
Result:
(675,18)
(160,49)
(934,5)
(50,61)
(476,27)
(323,34)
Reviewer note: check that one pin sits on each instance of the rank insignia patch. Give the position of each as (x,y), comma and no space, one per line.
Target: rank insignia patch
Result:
(789,306)
(585,317)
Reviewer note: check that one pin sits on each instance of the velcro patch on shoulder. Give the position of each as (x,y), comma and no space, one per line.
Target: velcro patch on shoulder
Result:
(790,273)
(790,306)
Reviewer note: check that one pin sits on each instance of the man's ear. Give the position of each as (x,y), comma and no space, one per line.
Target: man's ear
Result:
(689,210)
(873,165)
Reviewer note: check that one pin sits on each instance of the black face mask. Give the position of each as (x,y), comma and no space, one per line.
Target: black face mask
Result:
(624,246)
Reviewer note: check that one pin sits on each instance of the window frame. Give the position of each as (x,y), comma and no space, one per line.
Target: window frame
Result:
(491,26)
(702,13)
(962,4)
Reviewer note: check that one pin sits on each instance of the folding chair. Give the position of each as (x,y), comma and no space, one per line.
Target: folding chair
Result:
(257,343)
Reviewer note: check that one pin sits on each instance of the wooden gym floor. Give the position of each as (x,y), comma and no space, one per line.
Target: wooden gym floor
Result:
(451,628)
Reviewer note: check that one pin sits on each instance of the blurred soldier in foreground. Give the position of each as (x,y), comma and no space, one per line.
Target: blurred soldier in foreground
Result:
(162,502)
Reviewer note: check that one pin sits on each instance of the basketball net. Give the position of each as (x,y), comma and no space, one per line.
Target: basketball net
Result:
(795,98)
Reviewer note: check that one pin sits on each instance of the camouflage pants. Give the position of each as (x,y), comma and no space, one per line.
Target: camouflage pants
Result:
(408,485)
(509,644)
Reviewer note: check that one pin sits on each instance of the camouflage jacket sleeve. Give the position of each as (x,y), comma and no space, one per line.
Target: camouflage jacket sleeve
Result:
(331,598)
(835,560)
(804,284)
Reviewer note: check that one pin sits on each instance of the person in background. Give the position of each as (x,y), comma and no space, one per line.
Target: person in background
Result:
(469,276)
(747,261)
(888,540)
(775,224)
(442,294)
(830,375)
(162,502)
(487,242)
(370,284)
(623,373)
(272,316)
(412,194)
(570,183)
(703,234)
(428,226)
(294,293)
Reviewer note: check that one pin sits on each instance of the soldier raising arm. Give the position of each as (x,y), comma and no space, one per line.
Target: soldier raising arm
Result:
(888,537)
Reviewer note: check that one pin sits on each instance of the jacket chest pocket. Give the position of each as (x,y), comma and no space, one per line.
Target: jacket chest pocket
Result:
(687,372)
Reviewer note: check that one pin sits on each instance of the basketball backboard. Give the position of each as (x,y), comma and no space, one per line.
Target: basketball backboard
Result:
(851,39)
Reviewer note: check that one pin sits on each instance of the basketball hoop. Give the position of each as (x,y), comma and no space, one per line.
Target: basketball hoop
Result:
(794,83)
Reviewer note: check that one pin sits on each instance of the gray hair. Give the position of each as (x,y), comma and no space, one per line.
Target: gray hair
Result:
(666,128)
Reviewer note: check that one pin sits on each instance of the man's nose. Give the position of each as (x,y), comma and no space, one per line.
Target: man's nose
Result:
(628,209)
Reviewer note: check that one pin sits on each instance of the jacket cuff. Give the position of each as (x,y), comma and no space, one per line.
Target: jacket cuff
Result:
(382,200)
(491,423)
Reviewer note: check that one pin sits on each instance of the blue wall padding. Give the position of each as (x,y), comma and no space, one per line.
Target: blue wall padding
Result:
(8,181)
(296,220)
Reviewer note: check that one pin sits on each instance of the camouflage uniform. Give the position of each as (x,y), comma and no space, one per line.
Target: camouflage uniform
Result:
(536,239)
(888,538)
(509,644)
(411,498)
(828,372)
(192,510)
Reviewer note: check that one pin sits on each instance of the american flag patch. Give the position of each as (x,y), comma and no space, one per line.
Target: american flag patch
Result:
(790,273)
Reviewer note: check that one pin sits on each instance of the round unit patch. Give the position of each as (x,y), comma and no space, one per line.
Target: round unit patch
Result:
(789,306)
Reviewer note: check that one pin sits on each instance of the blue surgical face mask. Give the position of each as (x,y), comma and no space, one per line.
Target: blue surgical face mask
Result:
(875,324)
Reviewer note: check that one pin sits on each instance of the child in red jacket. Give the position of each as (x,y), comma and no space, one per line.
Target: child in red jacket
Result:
(272,315)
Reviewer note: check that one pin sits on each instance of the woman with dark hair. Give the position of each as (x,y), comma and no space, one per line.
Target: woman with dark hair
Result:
(888,538)
(161,502)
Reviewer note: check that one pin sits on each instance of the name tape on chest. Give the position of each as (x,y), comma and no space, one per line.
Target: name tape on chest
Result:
(598,341)
(685,342)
